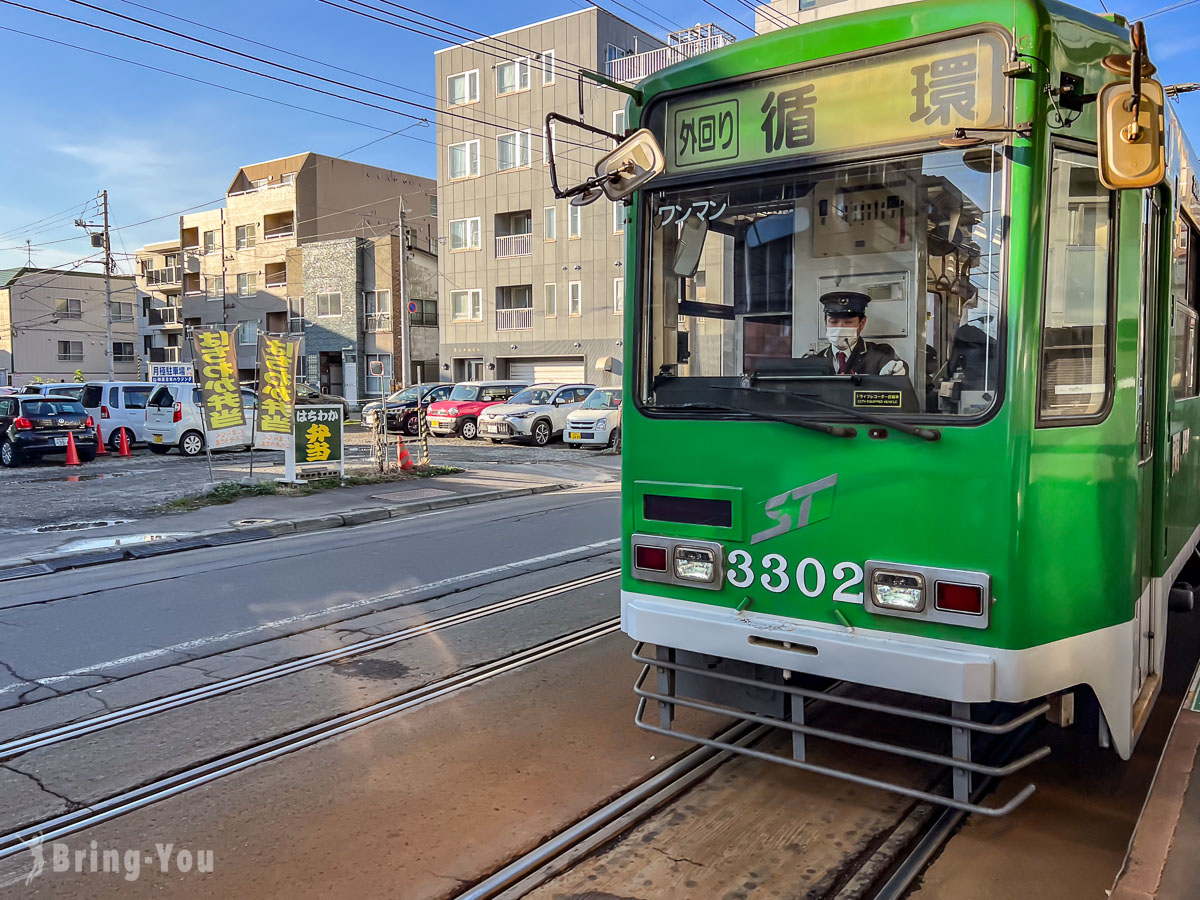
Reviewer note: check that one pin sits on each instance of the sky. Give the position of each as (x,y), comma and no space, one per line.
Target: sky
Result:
(76,122)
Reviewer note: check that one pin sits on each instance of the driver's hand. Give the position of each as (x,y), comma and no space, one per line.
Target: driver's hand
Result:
(895,367)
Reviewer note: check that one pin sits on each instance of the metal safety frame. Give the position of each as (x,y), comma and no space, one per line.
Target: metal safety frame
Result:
(965,770)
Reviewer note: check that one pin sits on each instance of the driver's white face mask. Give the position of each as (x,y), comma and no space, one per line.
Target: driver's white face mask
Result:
(842,337)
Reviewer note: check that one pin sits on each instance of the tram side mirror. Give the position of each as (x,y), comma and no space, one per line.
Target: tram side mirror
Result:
(1132,154)
(691,244)
(634,162)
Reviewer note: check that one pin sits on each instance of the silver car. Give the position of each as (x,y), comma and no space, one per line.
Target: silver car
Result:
(536,415)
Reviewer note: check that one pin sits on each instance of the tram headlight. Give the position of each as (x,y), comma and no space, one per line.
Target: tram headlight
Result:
(695,564)
(904,591)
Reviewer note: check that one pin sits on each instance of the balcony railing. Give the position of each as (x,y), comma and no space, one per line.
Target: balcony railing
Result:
(514,245)
(379,322)
(166,316)
(276,281)
(514,319)
(642,65)
(283,231)
(164,354)
(169,275)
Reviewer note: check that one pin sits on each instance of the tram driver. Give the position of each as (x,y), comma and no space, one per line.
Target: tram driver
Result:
(848,353)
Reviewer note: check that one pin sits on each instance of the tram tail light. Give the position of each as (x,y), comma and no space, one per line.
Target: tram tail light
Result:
(695,564)
(652,559)
(904,591)
(959,598)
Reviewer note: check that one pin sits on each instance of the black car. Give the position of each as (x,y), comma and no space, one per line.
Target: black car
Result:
(402,405)
(35,425)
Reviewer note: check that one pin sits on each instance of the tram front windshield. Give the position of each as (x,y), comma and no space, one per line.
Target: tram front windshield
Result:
(754,285)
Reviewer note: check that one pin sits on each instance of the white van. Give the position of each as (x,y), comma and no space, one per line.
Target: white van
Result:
(174,419)
(117,405)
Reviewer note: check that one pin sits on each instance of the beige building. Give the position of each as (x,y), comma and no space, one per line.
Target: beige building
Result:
(787,13)
(231,264)
(52,325)
(159,272)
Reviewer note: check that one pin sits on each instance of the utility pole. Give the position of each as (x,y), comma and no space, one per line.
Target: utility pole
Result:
(405,331)
(108,318)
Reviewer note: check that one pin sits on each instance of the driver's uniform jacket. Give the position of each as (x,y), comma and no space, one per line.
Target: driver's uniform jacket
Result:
(865,358)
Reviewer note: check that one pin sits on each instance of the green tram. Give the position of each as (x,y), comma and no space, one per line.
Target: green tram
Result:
(913,392)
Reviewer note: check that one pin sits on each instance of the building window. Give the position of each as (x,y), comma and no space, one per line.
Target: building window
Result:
(512,150)
(214,287)
(377,306)
(329,304)
(512,77)
(210,242)
(245,236)
(462,88)
(248,333)
(614,53)
(548,62)
(618,122)
(433,205)
(123,351)
(382,363)
(122,311)
(575,298)
(466,306)
(287,178)
(247,284)
(618,296)
(257,184)
(68,308)
(465,234)
(426,313)
(70,351)
(550,223)
(551,294)
(464,159)
(573,222)
(618,217)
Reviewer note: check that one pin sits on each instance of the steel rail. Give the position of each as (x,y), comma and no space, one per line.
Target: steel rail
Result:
(60,734)
(137,798)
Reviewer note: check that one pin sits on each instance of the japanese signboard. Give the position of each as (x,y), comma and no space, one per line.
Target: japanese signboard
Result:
(318,437)
(220,393)
(172,373)
(276,391)
(921,93)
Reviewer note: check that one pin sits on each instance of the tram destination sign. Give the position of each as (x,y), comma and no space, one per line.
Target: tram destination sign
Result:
(919,93)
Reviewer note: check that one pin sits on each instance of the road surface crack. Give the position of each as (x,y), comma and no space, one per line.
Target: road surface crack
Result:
(678,859)
(462,882)
(35,684)
(72,805)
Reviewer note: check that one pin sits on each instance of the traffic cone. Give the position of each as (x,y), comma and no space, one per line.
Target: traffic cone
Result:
(123,444)
(72,453)
(402,457)
(100,448)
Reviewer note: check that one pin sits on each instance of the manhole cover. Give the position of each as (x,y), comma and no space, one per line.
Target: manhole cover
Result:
(245,523)
(124,540)
(415,494)
(79,526)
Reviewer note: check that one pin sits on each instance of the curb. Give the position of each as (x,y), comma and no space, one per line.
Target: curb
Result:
(44,564)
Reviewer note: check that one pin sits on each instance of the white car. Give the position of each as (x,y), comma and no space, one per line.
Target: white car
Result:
(118,406)
(597,422)
(537,414)
(174,419)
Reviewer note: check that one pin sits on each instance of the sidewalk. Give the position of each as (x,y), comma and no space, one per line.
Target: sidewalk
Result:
(257,518)
(1163,863)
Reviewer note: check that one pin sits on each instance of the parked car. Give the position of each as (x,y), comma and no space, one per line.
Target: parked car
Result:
(307,395)
(73,389)
(459,413)
(174,419)
(597,422)
(36,425)
(117,406)
(402,406)
(535,415)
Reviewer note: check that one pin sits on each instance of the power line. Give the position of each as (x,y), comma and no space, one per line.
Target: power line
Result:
(1171,8)
(728,15)
(66,213)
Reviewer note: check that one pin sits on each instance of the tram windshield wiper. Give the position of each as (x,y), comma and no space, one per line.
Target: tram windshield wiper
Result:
(843,431)
(927,434)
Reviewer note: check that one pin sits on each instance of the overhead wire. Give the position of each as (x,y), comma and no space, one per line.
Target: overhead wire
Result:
(728,15)
(70,210)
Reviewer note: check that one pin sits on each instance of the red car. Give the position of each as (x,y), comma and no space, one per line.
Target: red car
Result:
(459,413)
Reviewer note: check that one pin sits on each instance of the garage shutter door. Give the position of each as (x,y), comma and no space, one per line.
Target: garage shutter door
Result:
(552,370)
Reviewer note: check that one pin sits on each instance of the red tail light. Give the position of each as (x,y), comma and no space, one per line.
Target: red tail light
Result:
(960,598)
(20,423)
(90,423)
(653,559)
(104,412)
(178,416)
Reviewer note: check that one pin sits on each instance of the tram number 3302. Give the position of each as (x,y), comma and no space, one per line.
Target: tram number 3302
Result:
(809,575)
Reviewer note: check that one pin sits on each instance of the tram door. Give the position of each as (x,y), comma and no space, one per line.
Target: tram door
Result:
(1152,603)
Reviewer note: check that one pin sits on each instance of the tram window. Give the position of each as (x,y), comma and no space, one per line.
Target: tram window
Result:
(1076,310)
(1185,289)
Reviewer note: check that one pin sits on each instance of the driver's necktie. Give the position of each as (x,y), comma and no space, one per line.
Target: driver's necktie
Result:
(841,361)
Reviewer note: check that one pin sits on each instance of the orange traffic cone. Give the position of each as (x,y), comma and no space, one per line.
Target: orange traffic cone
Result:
(100,448)
(123,443)
(403,458)
(72,453)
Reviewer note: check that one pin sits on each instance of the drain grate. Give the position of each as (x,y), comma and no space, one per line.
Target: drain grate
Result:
(24,571)
(415,494)
(238,537)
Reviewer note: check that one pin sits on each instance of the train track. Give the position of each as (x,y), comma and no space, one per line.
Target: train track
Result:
(49,737)
(164,788)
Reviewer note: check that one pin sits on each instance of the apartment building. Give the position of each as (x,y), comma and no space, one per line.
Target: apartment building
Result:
(532,287)
(231,264)
(52,325)
(786,13)
(158,270)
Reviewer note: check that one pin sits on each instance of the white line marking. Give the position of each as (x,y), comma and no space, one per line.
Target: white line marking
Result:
(303,617)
